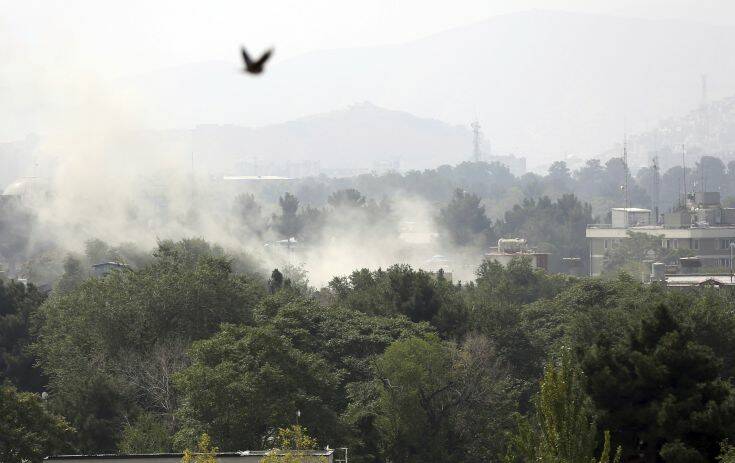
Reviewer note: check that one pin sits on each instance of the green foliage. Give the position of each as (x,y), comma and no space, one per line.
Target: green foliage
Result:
(349,198)
(661,388)
(632,251)
(288,224)
(555,227)
(518,283)
(499,309)
(347,339)
(431,401)
(397,364)
(727,453)
(97,251)
(249,214)
(28,431)
(103,345)
(562,428)
(245,382)
(293,446)
(464,220)
(205,452)
(401,290)
(18,304)
(72,277)
(148,434)
(276,281)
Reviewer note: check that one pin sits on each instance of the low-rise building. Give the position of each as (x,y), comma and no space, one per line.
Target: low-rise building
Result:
(104,268)
(701,225)
(513,248)
(687,281)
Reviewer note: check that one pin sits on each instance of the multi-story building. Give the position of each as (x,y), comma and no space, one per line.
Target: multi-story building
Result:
(702,225)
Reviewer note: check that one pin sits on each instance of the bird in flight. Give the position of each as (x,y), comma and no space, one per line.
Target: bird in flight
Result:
(255,66)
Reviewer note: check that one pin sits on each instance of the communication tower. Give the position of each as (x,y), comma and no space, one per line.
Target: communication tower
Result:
(477,136)
(655,187)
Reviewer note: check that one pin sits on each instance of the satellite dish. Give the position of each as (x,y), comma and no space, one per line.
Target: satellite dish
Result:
(44,395)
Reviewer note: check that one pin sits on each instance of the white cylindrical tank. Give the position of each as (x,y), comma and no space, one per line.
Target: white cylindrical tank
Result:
(511,244)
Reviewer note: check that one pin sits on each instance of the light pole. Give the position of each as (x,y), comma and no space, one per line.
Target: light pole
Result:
(732,248)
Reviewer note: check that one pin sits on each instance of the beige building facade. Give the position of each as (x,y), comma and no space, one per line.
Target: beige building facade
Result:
(707,230)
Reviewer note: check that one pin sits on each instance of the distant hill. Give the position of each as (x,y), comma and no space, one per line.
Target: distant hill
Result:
(357,139)
(543,84)
(707,130)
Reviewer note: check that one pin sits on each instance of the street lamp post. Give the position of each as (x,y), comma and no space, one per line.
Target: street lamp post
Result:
(732,248)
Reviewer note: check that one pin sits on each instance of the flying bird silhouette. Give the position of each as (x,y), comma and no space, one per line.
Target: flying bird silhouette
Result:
(255,67)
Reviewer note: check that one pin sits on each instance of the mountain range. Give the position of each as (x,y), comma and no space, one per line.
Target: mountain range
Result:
(543,84)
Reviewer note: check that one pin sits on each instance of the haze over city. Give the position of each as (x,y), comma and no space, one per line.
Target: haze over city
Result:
(367,231)
(510,66)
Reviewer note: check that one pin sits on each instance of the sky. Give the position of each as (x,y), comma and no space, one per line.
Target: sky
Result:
(134,36)
(51,49)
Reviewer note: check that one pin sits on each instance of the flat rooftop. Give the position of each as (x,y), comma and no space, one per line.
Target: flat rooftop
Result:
(630,209)
(661,227)
(700,280)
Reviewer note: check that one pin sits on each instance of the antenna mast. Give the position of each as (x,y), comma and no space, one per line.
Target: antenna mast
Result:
(655,188)
(625,167)
(703,180)
(684,173)
(477,134)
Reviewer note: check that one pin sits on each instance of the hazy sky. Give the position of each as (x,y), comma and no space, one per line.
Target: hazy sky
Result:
(131,36)
(52,49)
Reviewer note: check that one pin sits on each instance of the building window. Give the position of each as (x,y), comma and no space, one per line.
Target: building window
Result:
(674,244)
(695,244)
(606,243)
(725,244)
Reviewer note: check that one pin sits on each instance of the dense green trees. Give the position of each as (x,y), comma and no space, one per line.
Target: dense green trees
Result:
(397,364)
(28,431)
(432,401)
(662,391)
(249,214)
(293,445)
(630,253)
(18,303)
(288,223)
(464,220)
(562,427)
(108,345)
(245,382)
(554,227)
